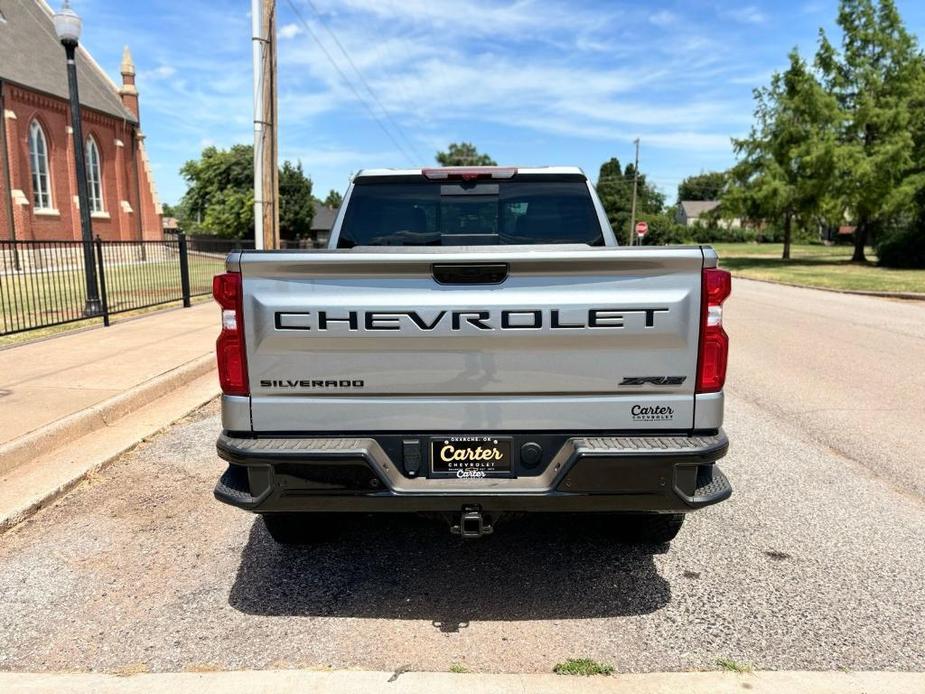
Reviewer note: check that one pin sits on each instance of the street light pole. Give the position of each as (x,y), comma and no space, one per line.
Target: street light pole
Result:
(68,26)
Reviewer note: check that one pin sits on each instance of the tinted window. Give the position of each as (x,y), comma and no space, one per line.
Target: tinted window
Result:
(454,213)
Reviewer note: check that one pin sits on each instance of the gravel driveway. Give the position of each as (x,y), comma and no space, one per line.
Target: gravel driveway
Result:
(817,562)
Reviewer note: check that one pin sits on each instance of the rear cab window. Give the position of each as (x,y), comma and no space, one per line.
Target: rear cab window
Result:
(415,211)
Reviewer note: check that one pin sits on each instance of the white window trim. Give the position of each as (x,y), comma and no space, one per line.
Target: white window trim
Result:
(91,146)
(36,127)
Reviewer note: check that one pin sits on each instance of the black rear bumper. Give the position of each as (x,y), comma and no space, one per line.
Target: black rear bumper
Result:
(672,473)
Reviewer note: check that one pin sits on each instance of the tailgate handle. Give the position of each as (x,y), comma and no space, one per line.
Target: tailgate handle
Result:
(470,273)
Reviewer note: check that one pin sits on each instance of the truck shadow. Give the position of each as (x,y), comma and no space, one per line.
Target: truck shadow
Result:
(405,567)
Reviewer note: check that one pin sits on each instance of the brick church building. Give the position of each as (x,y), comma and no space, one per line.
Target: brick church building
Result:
(38,181)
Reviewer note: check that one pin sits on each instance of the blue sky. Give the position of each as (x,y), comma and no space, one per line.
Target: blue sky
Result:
(531,82)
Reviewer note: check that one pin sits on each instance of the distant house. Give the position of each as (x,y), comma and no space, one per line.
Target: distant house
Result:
(320,232)
(695,212)
(830,234)
(322,223)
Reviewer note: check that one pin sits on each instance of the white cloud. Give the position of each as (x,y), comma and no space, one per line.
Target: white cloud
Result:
(333,158)
(477,17)
(540,71)
(430,84)
(663,18)
(158,73)
(442,86)
(651,136)
(289,31)
(297,105)
(747,15)
(753,79)
(697,141)
(813,7)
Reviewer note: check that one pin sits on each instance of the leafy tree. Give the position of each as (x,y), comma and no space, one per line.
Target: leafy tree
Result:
(787,161)
(296,208)
(334,199)
(219,183)
(464,154)
(230,214)
(877,78)
(615,189)
(664,229)
(704,186)
(904,248)
(219,198)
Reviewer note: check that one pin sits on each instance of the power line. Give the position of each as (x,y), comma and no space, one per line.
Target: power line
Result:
(656,180)
(646,176)
(359,74)
(349,83)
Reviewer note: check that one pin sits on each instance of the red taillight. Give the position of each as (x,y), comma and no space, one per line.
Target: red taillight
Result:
(468,173)
(714,343)
(229,348)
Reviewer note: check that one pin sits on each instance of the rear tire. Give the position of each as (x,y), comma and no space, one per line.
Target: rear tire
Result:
(297,528)
(649,529)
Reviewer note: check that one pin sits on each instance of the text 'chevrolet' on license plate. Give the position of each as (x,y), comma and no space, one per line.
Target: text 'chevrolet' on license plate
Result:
(471,456)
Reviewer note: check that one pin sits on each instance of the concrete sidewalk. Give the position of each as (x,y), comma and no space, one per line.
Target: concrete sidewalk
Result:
(44,381)
(335,682)
(70,404)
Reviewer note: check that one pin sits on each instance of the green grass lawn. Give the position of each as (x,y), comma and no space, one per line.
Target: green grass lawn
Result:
(828,267)
(28,299)
(41,333)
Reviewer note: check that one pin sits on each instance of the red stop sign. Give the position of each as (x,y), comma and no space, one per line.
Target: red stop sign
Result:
(642,228)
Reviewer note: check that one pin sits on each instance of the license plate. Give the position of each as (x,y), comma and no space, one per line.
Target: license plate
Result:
(471,456)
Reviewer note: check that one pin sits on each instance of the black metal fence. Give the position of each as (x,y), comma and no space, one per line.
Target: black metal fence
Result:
(43,283)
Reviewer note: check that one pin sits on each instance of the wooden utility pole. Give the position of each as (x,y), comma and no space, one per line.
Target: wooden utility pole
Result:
(635,184)
(266,169)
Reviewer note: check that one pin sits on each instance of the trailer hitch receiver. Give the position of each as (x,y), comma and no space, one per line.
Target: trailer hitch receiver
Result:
(472,524)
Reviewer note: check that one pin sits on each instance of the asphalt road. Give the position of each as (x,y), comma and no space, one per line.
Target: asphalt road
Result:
(848,371)
(817,561)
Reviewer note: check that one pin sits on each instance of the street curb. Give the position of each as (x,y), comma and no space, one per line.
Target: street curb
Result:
(47,438)
(31,487)
(906,296)
(404,682)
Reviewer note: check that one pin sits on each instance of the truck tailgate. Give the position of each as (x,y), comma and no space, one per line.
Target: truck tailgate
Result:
(571,339)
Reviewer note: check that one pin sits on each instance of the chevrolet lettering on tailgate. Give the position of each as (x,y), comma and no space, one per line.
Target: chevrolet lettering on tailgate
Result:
(507,319)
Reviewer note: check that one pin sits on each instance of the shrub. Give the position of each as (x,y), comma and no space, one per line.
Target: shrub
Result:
(664,230)
(804,235)
(769,233)
(904,248)
(715,234)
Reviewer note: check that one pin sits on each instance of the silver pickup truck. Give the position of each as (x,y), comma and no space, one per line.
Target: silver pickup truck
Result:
(473,343)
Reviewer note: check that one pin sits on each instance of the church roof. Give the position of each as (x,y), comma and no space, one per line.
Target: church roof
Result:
(31,56)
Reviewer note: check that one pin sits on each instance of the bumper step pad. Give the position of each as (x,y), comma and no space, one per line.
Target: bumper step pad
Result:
(233,485)
(708,446)
(711,482)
